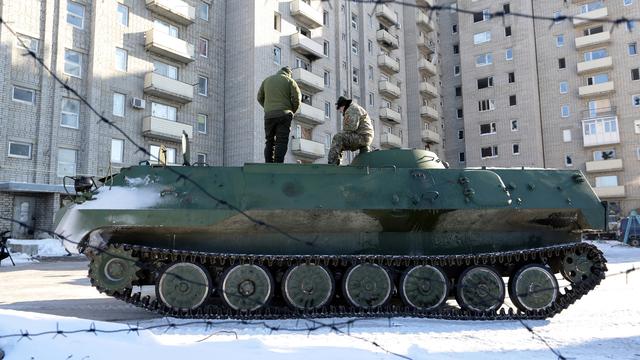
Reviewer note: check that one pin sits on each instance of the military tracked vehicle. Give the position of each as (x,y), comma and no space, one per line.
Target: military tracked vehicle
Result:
(395,233)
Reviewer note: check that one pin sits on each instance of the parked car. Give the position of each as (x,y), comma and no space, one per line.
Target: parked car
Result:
(633,221)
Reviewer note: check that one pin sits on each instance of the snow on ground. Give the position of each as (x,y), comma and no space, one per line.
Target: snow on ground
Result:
(605,324)
(45,247)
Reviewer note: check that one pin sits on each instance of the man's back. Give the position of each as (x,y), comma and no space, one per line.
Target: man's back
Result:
(279,94)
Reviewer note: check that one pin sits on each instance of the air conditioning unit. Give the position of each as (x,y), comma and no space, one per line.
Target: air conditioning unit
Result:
(138,103)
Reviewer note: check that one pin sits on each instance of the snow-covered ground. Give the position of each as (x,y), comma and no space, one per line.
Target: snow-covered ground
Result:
(605,324)
(45,247)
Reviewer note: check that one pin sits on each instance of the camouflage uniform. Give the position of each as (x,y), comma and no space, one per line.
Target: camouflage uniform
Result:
(357,133)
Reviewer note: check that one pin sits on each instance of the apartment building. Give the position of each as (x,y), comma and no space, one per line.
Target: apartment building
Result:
(158,68)
(557,94)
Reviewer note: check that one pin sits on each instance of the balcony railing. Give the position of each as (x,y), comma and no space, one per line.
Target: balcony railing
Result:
(595,65)
(430,136)
(424,22)
(588,17)
(610,191)
(390,115)
(176,10)
(428,89)
(308,80)
(170,89)
(165,129)
(592,40)
(310,115)
(386,15)
(427,67)
(306,46)
(386,39)
(389,89)
(168,46)
(604,165)
(426,45)
(307,148)
(305,14)
(429,113)
(389,140)
(596,90)
(599,113)
(388,63)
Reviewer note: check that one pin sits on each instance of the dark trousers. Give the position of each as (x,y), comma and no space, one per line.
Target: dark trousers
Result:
(277,137)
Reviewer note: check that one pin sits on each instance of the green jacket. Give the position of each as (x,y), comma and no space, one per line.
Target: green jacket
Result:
(279,94)
(356,119)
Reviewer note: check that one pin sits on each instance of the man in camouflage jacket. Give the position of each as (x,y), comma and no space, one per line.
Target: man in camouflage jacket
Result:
(357,130)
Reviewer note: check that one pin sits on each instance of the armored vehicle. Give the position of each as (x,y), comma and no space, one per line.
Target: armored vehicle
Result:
(395,233)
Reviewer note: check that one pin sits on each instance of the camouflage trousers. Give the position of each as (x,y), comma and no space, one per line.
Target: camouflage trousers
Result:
(348,140)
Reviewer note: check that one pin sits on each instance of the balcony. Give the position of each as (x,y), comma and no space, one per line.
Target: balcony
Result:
(310,115)
(385,15)
(427,67)
(605,63)
(308,80)
(596,90)
(429,113)
(305,14)
(428,3)
(601,131)
(165,129)
(428,90)
(306,46)
(168,46)
(610,191)
(387,88)
(167,88)
(176,10)
(307,148)
(387,63)
(430,136)
(390,115)
(423,21)
(592,40)
(604,165)
(588,17)
(386,39)
(389,140)
(426,45)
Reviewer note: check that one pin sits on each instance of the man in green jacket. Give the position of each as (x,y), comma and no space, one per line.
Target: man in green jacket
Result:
(357,130)
(280,97)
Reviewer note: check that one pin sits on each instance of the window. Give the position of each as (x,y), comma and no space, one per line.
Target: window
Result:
(486,105)
(488,129)
(201,123)
(29,42)
(355,75)
(454,28)
(121,59)
(481,16)
(606,181)
(23,95)
(484,59)
(597,79)
(515,149)
(506,8)
(167,70)
(166,28)
(370,46)
(163,111)
(73,63)
(123,14)
(154,150)
(354,47)
(66,162)
(562,63)
(482,37)
(635,100)
(595,54)
(75,15)
(371,99)
(203,47)
(633,48)
(461,157)
(203,11)
(203,85)
(595,5)
(325,48)
(354,21)
(277,21)
(458,90)
(507,31)
(560,40)
(117,151)
(70,113)
(630,25)
(599,155)
(564,111)
(456,48)
(456,70)
(564,87)
(566,135)
(512,100)
(460,134)
(593,30)
(489,152)
(508,54)
(514,125)
(627,2)
(202,158)
(277,55)
(371,74)
(327,79)
(118,104)
(511,77)
(325,18)
(635,74)
(568,160)
(327,109)
(459,113)
(327,141)
(20,150)
(557,16)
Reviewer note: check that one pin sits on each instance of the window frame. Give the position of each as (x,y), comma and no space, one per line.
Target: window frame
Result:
(206,120)
(79,64)
(560,40)
(63,113)
(206,85)
(562,112)
(120,6)
(58,162)
(514,151)
(566,87)
(277,55)
(203,5)
(493,149)
(121,159)
(71,14)
(512,123)
(32,91)
(204,41)
(124,104)
(508,54)
(16,156)
(120,51)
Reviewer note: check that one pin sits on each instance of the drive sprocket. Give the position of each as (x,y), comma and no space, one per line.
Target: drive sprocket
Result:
(113,270)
